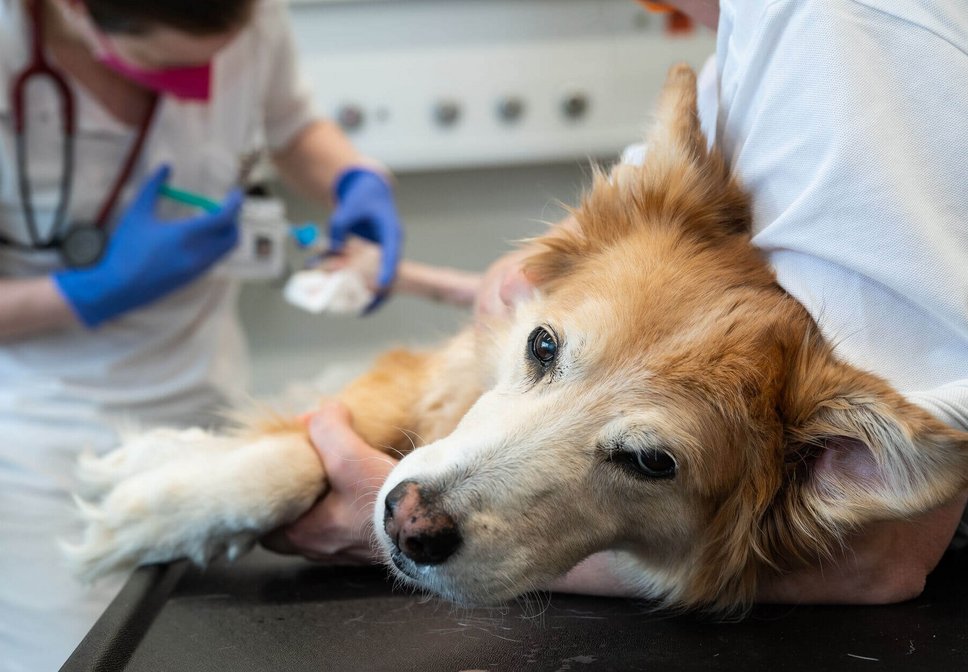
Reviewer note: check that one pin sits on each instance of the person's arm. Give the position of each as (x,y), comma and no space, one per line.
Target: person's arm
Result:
(505,282)
(595,575)
(316,159)
(313,161)
(31,307)
(309,152)
(885,563)
(845,236)
(890,561)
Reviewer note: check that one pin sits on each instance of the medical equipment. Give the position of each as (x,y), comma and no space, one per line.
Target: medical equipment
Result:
(263,236)
(80,244)
(364,208)
(189,198)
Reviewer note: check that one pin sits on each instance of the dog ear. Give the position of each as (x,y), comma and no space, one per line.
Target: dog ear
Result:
(684,182)
(853,452)
(682,186)
(864,453)
(676,134)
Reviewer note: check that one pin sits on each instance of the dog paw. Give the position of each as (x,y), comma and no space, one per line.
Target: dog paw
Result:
(196,504)
(154,516)
(138,453)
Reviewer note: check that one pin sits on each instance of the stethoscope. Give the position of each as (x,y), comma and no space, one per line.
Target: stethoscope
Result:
(81,244)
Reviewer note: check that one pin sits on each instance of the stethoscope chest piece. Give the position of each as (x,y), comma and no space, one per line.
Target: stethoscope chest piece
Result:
(83,245)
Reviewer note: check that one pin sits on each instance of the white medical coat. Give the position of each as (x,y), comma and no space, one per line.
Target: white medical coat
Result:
(183,355)
(172,362)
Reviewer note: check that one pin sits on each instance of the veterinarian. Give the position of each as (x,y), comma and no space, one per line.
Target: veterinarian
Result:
(110,308)
(845,120)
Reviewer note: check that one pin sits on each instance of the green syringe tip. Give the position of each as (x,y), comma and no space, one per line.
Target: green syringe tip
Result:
(189,198)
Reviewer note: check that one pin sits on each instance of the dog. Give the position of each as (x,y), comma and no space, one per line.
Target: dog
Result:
(660,396)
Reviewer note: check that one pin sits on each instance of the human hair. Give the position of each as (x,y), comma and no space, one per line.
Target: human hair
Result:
(197,17)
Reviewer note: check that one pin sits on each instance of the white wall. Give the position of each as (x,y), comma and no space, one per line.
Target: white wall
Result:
(394,63)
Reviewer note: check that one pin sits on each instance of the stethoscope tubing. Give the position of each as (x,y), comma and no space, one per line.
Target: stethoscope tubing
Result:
(60,237)
(39,68)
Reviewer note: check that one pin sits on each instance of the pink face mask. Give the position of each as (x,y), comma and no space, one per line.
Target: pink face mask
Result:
(192,82)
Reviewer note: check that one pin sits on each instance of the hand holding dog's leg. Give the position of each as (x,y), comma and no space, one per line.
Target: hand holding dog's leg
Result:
(338,528)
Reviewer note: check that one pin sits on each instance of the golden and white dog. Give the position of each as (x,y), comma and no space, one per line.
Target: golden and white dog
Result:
(660,396)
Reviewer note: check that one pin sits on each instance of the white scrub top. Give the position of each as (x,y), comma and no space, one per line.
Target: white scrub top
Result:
(847,121)
(176,360)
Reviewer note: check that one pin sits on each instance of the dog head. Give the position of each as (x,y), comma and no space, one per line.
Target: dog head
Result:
(660,396)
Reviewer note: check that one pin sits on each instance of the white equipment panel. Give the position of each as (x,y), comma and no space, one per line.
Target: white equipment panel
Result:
(440,84)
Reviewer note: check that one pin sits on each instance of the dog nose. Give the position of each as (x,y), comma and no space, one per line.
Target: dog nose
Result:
(418,528)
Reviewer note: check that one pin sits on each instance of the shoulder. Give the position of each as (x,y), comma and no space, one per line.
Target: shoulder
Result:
(270,19)
(255,52)
(946,21)
(835,65)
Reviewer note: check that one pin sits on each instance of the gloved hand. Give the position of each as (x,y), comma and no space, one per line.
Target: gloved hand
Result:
(147,258)
(365,207)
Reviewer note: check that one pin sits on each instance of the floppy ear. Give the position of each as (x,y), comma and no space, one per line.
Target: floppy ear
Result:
(853,452)
(867,454)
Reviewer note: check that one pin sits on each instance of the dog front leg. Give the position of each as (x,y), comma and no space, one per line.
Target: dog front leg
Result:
(385,402)
(200,504)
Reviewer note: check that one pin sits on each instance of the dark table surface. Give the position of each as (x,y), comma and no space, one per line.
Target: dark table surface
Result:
(273,613)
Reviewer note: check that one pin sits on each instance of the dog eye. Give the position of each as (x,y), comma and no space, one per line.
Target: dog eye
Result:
(651,463)
(542,346)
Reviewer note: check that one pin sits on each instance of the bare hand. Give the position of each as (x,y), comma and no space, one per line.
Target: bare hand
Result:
(504,284)
(885,563)
(338,529)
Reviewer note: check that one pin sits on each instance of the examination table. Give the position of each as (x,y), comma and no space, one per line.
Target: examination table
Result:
(270,613)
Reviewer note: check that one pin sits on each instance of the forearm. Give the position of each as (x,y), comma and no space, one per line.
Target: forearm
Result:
(448,285)
(315,158)
(595,575)
(887,563)
(32,306)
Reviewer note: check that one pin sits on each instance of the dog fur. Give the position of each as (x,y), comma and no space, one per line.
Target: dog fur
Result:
(672,338)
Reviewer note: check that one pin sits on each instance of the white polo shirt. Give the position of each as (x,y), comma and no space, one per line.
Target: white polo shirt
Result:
(847,121)
(174,360)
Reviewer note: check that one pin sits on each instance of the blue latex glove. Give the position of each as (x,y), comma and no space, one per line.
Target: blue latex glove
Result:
(147,258)
(365,207)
